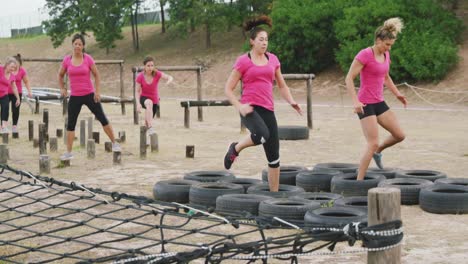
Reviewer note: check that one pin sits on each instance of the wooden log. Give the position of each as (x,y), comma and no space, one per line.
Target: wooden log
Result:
(154,142)
(5,138)
(65,106)
(65,163)
(292,76)
(31,130)
(44,164)
(35,143)
(45,120)
(117,158)
(122,136)
(108,146)
(199,94)
(82,133)
(142,142)
(59,132)
(53,144)
(309,103)
(91,149)
(42,139)
(36,110)
(192,103)
(190,151)
(384,206)
(3,154)
(96,137)
(15,134)
(90,127)
(186,117)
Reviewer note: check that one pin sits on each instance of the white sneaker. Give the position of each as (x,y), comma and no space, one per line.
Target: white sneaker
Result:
(4,130)
(116,147)
(151,131)
(66,156)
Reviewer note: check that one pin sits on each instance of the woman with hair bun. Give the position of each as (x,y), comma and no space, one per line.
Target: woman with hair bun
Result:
(20,77)
(373,65)
(258,69)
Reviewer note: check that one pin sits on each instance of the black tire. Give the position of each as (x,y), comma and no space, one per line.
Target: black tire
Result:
(343,167)
(205,194)
(347,185)
(293,132)
(287,174)
(316,181)
(452,181)
(173,190)
(358,202)
(286,208)
(389,173)
(409,188)
(239,204)
(246,182)
(333,217)
(284,191)
(421,174)
(208,176)
(444,199)
(324,198)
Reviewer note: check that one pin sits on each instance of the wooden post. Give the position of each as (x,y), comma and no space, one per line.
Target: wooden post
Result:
(309,103)
(91,149)
(64,106)
(53,144)
(384,206)
(108,146)
(65,163)
(187,117)
(158,112)
(90,127)
(59,133)
(122,90)
(135,109)
(117,158)
(154,142)
(122,136)
(36,111)
(42,139)
(190,151)
(15,134)
(3,154)
(35,143)
(31,129)
(44,164)
(199,94)
(142,142)
(5,138)
(45,120)
(66,131)
(96,137)
(82,133)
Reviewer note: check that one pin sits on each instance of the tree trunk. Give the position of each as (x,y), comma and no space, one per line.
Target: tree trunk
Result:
(163,19)
(132,21)
(136,27)
(208,35)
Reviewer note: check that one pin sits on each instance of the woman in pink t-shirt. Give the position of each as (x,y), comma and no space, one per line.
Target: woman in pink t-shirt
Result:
(79,67)
(373,65)
(20,77)
(258,69)
(7,82)
(148,92)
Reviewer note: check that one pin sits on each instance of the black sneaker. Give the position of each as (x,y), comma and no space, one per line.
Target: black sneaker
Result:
(231,156)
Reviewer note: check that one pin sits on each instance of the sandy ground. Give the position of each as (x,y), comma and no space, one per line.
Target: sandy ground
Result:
(436,140)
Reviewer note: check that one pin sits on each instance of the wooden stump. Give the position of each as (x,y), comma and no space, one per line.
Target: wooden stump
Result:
(96,137)
(82,133)
(122,136)
(190,151)
(108,146)
(45,120)
(15,134)
(65,163)
(186,117)
(142,142)
(90,127)
(5,138)
(35,143)
(384,206)
(31,130)
(36,110)
(64,106)
(91,149)
(53,145)
(44,164)
(117,158)
(59,133)
(42,140)
(154,142)
(3,154)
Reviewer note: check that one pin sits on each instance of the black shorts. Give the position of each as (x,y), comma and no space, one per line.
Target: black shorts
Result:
(374,109)
(142,103)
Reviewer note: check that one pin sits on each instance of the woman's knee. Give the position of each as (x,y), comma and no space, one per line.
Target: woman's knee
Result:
(260,137)
(399,136)
(149,104)
(373,145)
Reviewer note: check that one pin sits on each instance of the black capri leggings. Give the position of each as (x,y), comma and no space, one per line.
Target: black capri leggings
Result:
(155,106)
(15,111)
(4,102)
(74,107)
(264,130)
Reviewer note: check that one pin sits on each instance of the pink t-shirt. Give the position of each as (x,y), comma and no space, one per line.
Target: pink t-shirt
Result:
(5,84)
(79,76)
(18,80)
(150,90)
(372,76)
(257,81)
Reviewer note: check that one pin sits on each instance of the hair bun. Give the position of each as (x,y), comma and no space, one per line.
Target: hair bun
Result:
(253,22)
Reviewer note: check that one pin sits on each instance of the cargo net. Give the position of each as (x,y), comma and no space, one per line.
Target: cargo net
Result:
(44,220)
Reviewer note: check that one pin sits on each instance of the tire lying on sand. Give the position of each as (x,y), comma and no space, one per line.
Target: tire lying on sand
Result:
(343,167)
(293,132)
(316,180)
(347,185)
(452,181)
(284,191)
(420,174)
(286,208)
(287,174)
(205,194)
(173,190)
(321,197)
(239,204)
(358,202)
(444,199)
(389,173)
(246,182)
(409,188)
(208,176)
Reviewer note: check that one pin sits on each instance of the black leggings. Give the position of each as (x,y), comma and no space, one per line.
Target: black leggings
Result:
(4,102)
(15,111)
(74,107)
(264,130)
